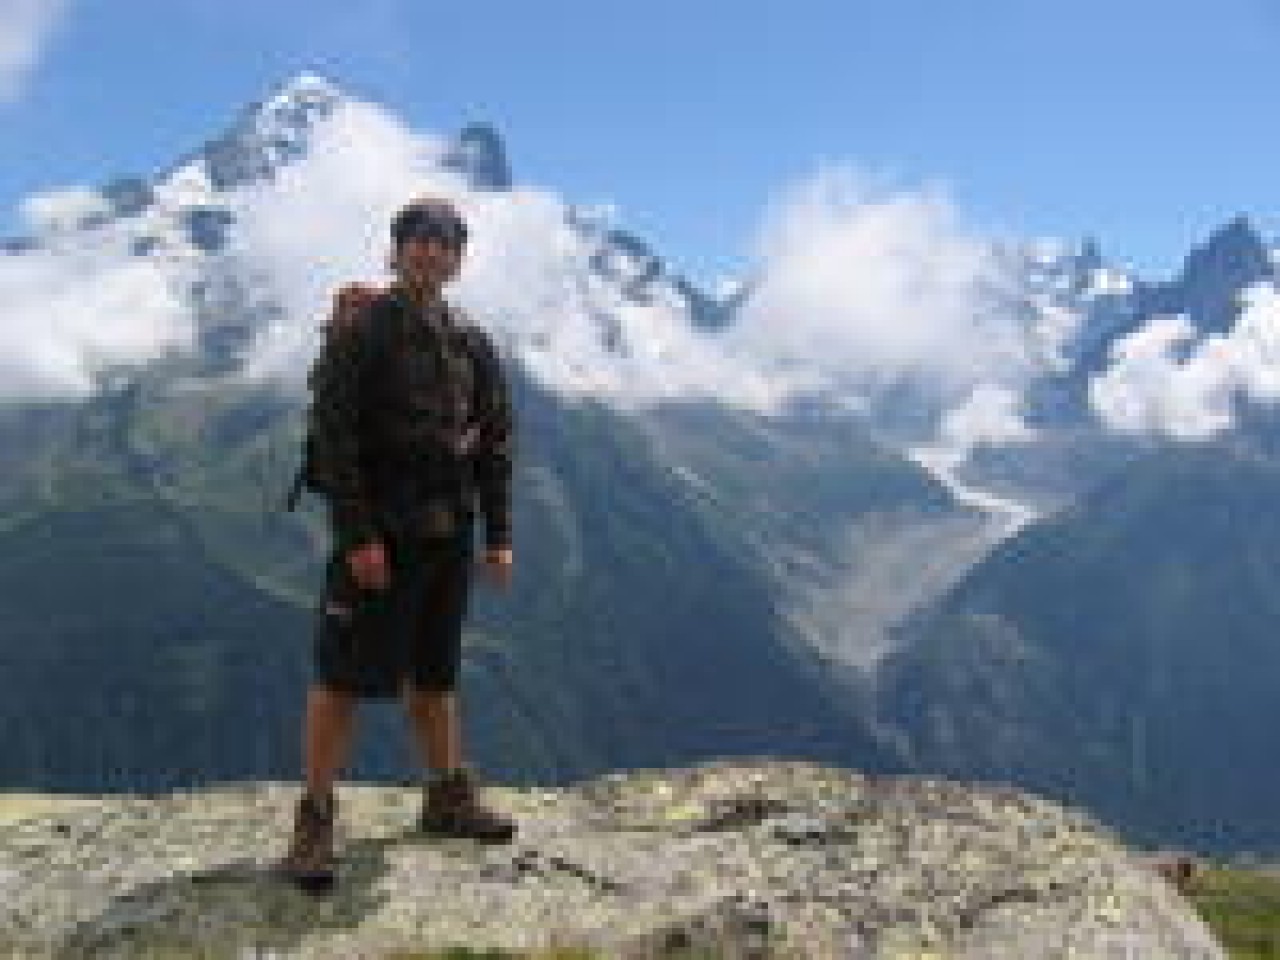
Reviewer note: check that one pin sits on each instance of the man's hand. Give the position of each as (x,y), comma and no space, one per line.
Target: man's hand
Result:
(497,564)
(369,567)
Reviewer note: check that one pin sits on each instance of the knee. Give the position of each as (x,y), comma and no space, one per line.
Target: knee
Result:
(429,696)
(333,699)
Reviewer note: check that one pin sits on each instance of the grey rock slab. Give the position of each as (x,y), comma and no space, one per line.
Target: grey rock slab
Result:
(757,858)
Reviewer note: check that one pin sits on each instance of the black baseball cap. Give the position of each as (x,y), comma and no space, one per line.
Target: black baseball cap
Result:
(428,219)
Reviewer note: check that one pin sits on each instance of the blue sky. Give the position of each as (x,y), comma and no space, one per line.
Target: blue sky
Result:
(1145,124)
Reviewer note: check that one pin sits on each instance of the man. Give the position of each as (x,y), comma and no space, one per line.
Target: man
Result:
(401,484)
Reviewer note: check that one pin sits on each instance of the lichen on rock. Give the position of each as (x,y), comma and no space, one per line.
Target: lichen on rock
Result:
(746,858)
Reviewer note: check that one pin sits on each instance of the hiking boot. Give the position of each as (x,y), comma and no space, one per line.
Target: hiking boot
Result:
(450,809)
(310,862)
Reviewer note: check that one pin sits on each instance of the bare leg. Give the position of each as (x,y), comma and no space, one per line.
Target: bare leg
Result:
(329,728)
(450,805)
(434,716)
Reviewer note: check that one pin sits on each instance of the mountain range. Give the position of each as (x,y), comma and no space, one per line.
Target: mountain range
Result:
(1083,609)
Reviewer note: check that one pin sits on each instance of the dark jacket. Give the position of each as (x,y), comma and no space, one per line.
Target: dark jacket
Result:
(392,397)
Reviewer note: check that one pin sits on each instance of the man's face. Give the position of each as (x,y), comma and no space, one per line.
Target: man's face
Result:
(428,262)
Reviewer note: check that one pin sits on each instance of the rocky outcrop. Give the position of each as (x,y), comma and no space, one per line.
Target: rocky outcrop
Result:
(479,155)
(752,858)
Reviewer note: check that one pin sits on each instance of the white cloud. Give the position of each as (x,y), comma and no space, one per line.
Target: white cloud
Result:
(856,288)
(882,288)
(324,222)
(60,210)
(83,299)
(990,415)
(530,272)
(1149,388)
(71,310)
(26,27)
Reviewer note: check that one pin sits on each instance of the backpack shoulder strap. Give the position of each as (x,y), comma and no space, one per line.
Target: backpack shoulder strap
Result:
(475,338)
(483,353)
(381,318)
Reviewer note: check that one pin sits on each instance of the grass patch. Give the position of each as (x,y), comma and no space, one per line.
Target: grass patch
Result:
(1242,907)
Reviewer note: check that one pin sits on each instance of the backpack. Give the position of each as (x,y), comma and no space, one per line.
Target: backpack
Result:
(354,304)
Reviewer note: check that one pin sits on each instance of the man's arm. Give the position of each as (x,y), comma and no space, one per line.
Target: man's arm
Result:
(495,446)
(334,422)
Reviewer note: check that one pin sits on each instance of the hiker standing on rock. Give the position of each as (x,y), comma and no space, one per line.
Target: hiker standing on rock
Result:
(410,429)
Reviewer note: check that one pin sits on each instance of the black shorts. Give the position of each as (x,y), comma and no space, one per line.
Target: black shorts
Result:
(368,641)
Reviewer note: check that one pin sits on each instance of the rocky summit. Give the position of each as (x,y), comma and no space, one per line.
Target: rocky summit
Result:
(741,858)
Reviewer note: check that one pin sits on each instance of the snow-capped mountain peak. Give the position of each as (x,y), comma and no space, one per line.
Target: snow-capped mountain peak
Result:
(1234,255)
(270,133)
(480,156)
